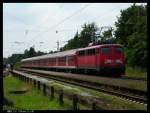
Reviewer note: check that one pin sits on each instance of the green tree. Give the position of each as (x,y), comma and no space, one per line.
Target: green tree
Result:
(39,53)
(51,52)
(107,34)
(88,34)
(82,39)
(4,60)
(16,58)
(107,37)
(32,52)
(132,33)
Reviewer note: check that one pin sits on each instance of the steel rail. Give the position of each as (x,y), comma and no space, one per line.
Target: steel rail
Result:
(122,77)
(134,78)
(98,87)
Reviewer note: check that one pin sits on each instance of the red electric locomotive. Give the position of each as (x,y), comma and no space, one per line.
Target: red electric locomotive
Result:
(105,59)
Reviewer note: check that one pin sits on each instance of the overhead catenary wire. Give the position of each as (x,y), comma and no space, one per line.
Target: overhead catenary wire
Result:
(78,11)
(106,14)
(37,26)
(47,19)
(112,11)
(19,19)
(62,21)
(22,21)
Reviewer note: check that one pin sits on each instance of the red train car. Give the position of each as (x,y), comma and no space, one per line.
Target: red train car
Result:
(106,58)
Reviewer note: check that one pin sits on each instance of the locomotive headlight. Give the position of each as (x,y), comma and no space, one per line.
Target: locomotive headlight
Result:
(108,61)
(119,61)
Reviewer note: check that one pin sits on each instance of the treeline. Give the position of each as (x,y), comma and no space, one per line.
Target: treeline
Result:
(14,58)
(131,32)
(89,34)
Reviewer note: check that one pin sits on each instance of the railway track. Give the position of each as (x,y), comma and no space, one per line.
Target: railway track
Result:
(134,78)
(123,77)
(125,93)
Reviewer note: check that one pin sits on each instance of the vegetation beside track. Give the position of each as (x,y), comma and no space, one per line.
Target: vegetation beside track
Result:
(26,101)
(136,72)
(31,100)
(113,102)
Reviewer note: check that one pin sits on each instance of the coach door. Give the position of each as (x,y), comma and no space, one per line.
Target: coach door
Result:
(90,59)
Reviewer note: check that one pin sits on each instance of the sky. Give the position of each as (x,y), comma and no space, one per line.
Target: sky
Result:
(28,25)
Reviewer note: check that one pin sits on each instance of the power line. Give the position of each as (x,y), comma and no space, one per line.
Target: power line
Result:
(106,16)
(76,12)
(58,44)
(62,21)
(107,13)
(17,18)
(42,22)
(37,26)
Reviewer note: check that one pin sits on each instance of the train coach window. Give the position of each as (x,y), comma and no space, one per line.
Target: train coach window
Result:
(81,53)
(54,60)
(62,59)
(106,50)
(118,49)
(91,52)
(70,58)
(38,61)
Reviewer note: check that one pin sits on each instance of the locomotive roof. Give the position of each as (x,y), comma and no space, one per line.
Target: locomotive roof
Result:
(97,46)
(67,53)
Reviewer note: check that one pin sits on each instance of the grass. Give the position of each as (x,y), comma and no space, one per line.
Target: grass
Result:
(136,72)
(113,102)
(33,99)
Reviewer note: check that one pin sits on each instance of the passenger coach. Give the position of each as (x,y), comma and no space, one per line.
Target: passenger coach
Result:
(103,59)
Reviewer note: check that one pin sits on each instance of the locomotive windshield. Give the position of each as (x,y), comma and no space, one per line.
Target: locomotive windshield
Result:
(106,50)
(118,50)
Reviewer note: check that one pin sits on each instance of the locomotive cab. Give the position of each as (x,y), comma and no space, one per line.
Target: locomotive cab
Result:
(111,58)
